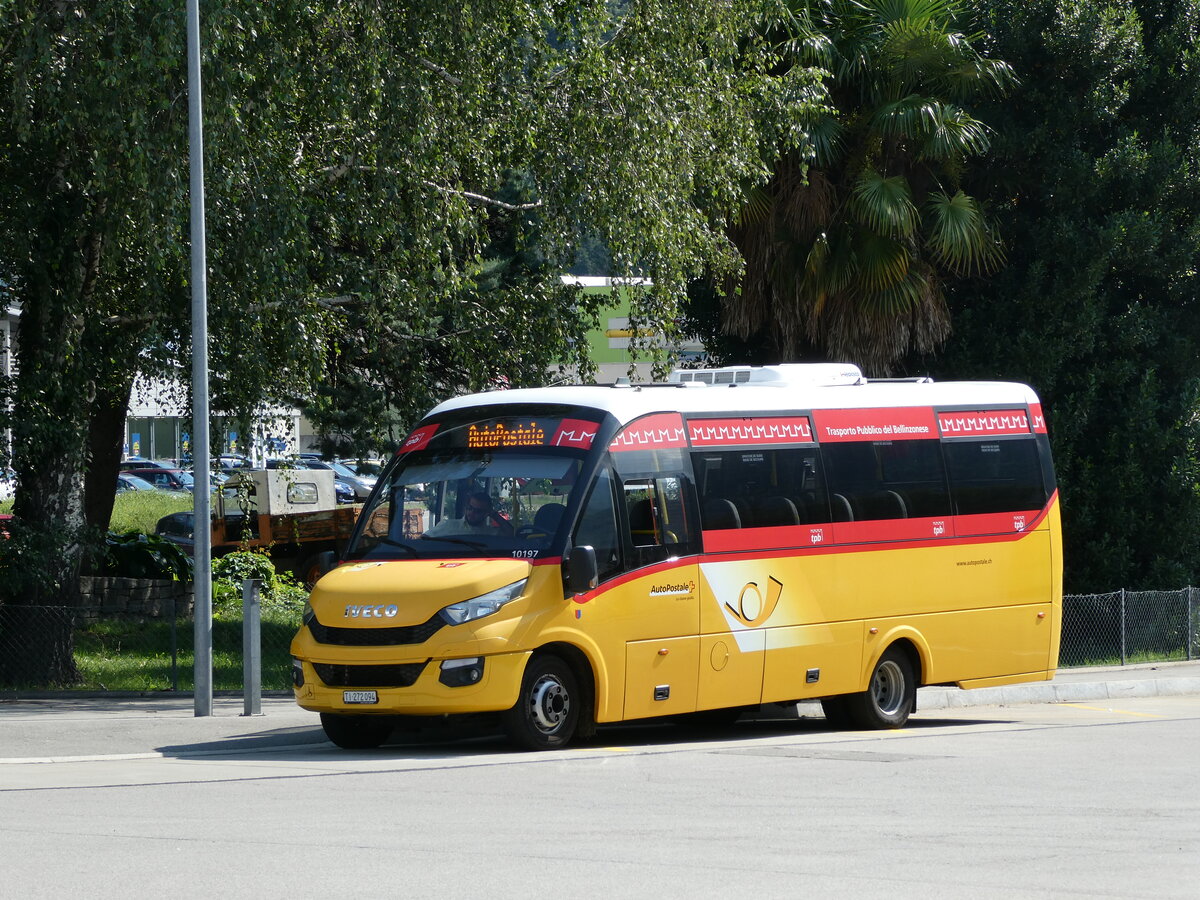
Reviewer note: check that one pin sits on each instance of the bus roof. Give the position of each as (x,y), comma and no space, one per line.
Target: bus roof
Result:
(759,389)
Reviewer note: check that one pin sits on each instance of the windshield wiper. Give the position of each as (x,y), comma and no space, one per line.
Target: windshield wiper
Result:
(403,545)
(475,545)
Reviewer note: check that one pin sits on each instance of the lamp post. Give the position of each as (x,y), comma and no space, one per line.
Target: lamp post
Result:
(201,522)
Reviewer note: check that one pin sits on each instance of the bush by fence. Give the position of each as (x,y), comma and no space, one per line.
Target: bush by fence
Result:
(139,642)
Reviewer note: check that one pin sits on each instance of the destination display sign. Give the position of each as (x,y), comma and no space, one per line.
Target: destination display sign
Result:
(507,433)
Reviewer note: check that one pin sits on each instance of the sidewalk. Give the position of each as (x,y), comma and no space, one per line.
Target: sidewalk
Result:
(63,726)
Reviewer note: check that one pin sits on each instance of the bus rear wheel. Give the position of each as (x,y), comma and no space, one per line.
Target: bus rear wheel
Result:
(357,732)
(547,710)
(891,695)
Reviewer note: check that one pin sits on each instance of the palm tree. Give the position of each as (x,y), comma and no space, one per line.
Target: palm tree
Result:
(846,247)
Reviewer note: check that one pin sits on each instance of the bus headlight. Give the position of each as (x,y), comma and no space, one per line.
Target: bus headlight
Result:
(484,604)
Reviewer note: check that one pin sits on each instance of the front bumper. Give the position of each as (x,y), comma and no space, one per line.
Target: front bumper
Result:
(426,696)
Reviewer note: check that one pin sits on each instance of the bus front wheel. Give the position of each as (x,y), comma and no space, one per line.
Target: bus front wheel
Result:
(357,732)
(547,710)
(891,695)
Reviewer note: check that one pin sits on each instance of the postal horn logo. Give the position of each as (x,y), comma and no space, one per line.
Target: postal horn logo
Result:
(751,610)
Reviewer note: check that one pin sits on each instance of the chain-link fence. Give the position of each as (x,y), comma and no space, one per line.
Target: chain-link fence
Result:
(55,647)
(51,647)
(1126,627)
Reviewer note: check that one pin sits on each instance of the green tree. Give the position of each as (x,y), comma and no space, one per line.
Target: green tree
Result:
(1095,177)
(848,246)
(354,159)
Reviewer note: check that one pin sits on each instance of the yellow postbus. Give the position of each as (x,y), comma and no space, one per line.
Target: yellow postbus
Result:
(733,537)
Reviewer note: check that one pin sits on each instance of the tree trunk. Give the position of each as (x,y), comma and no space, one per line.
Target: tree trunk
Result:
(37,647)
(106,437)
(54,391)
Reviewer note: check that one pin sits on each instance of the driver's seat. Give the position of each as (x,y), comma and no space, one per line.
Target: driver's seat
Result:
(548,518)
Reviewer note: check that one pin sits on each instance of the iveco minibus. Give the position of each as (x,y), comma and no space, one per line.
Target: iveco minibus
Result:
(569,556)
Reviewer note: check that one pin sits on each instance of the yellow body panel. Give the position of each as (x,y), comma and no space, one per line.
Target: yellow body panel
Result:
(660,677)
(768,627)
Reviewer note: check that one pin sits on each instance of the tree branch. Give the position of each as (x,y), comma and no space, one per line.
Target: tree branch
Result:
(438,70)
(480,198)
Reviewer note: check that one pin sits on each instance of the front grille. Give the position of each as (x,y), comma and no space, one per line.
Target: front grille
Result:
(375,637)
(403,675)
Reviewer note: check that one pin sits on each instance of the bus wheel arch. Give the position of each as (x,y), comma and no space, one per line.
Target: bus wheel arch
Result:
(891,694)
(555,701)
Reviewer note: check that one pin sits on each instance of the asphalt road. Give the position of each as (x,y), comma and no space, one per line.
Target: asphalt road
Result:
(1075,799)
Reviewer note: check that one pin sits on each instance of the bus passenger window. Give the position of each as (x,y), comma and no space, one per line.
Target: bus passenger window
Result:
(766,488)
(875,480)
(993,476)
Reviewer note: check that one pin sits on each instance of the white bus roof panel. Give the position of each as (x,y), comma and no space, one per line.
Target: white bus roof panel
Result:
(789,391)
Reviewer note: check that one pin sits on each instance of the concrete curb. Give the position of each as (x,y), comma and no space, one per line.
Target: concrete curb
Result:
(1050,692)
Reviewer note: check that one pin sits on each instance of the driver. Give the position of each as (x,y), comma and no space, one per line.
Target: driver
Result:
(479,517)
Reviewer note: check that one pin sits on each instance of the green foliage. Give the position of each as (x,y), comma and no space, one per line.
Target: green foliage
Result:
(847,247)
(137,555)
(390,194)
(1096,183)
(28,557)
(279,591)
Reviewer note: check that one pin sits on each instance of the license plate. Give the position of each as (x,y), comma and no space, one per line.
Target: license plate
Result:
(360,697)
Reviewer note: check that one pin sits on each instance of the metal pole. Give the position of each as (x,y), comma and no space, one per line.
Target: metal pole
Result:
(202,527)
(1192,621)
(174,646)
(1122,626)
(251,648)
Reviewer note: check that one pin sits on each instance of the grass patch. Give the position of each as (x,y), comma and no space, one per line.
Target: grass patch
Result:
(141,510)
(122,655)
(136,510)
(1131,659)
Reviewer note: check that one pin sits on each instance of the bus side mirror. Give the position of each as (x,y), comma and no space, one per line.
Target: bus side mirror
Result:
(582,572)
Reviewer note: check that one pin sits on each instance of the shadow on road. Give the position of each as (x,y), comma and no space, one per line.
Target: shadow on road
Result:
(442,738)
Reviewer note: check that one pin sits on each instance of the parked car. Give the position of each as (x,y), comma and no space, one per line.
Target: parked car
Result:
(365,468)
(166,479)
(353,488)
(138,462)
(233,461)
(127,482)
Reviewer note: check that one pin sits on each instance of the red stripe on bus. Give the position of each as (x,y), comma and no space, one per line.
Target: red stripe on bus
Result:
(755,430)
(984,423)
(733,554)
(901,423)
(654,432)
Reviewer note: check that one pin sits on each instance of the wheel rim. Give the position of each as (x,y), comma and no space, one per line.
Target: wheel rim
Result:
(549,704)
(887,688)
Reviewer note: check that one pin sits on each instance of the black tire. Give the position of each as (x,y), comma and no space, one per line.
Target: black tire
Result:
(891,695)
(547,710)
(357,732)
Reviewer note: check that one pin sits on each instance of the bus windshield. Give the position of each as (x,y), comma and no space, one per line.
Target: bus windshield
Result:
(463,502)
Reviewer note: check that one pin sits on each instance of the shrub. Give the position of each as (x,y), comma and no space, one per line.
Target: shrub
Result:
(279,591)
(137,555)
